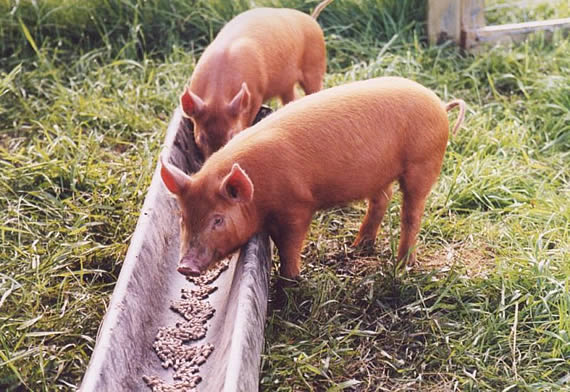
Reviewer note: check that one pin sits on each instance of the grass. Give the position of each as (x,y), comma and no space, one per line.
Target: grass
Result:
(86,92)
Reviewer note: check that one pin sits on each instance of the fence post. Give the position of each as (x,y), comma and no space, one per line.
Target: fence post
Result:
(472,19)
(444,21)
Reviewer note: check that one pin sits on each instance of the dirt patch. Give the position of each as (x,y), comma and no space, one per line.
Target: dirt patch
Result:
(475,260)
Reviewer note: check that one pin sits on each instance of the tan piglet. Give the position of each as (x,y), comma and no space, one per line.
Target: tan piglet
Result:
(260,54)
(343,144)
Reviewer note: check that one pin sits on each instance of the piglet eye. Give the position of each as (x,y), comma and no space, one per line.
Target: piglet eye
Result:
(218,220)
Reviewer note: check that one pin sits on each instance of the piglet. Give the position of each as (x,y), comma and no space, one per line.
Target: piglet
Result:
(339,145)
(260,54)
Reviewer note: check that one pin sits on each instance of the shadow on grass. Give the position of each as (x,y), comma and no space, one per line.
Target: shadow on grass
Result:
(355,322)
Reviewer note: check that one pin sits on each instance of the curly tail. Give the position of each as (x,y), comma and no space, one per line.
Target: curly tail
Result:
(319,8)
(451,105)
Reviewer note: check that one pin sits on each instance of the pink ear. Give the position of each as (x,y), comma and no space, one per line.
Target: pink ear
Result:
(237,185)
(174,178)
(191,103)
(240,101)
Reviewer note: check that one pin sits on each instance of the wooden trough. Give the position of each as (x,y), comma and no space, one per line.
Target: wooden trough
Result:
(149,282)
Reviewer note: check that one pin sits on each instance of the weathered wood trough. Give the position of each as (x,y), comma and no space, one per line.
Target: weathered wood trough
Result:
(149,282)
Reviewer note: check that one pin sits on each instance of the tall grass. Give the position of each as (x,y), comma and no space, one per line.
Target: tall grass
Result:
(129,29)
(86,91)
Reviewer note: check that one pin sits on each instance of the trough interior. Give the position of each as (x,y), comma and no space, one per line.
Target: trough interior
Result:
(149,282)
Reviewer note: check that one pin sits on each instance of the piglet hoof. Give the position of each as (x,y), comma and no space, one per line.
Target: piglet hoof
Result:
(411,262)
(407,261)
(363,244)
(282,287)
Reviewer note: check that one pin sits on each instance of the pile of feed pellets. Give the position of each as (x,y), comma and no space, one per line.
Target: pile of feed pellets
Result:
(171,343)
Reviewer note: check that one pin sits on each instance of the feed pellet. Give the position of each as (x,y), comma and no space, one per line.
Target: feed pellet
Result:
(171,342)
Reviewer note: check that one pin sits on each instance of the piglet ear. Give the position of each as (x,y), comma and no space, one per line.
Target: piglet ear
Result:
(240,101)
(192,104)
(174,178)
(237,186)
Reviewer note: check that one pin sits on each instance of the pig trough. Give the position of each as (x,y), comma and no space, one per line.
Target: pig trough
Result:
(149,283)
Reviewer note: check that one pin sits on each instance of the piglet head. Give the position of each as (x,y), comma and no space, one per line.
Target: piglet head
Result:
(216,214)
(218,120)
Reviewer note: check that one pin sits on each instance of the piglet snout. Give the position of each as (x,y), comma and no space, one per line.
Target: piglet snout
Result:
(187,266)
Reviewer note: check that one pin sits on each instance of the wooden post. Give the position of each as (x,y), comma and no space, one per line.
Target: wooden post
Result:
(444,18)
(472,19)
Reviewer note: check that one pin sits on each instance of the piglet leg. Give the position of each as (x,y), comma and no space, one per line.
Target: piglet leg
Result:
(415,188)
(288,236)
(289,96)
(376,209)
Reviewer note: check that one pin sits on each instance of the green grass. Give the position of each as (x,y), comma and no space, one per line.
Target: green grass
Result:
(86,92)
